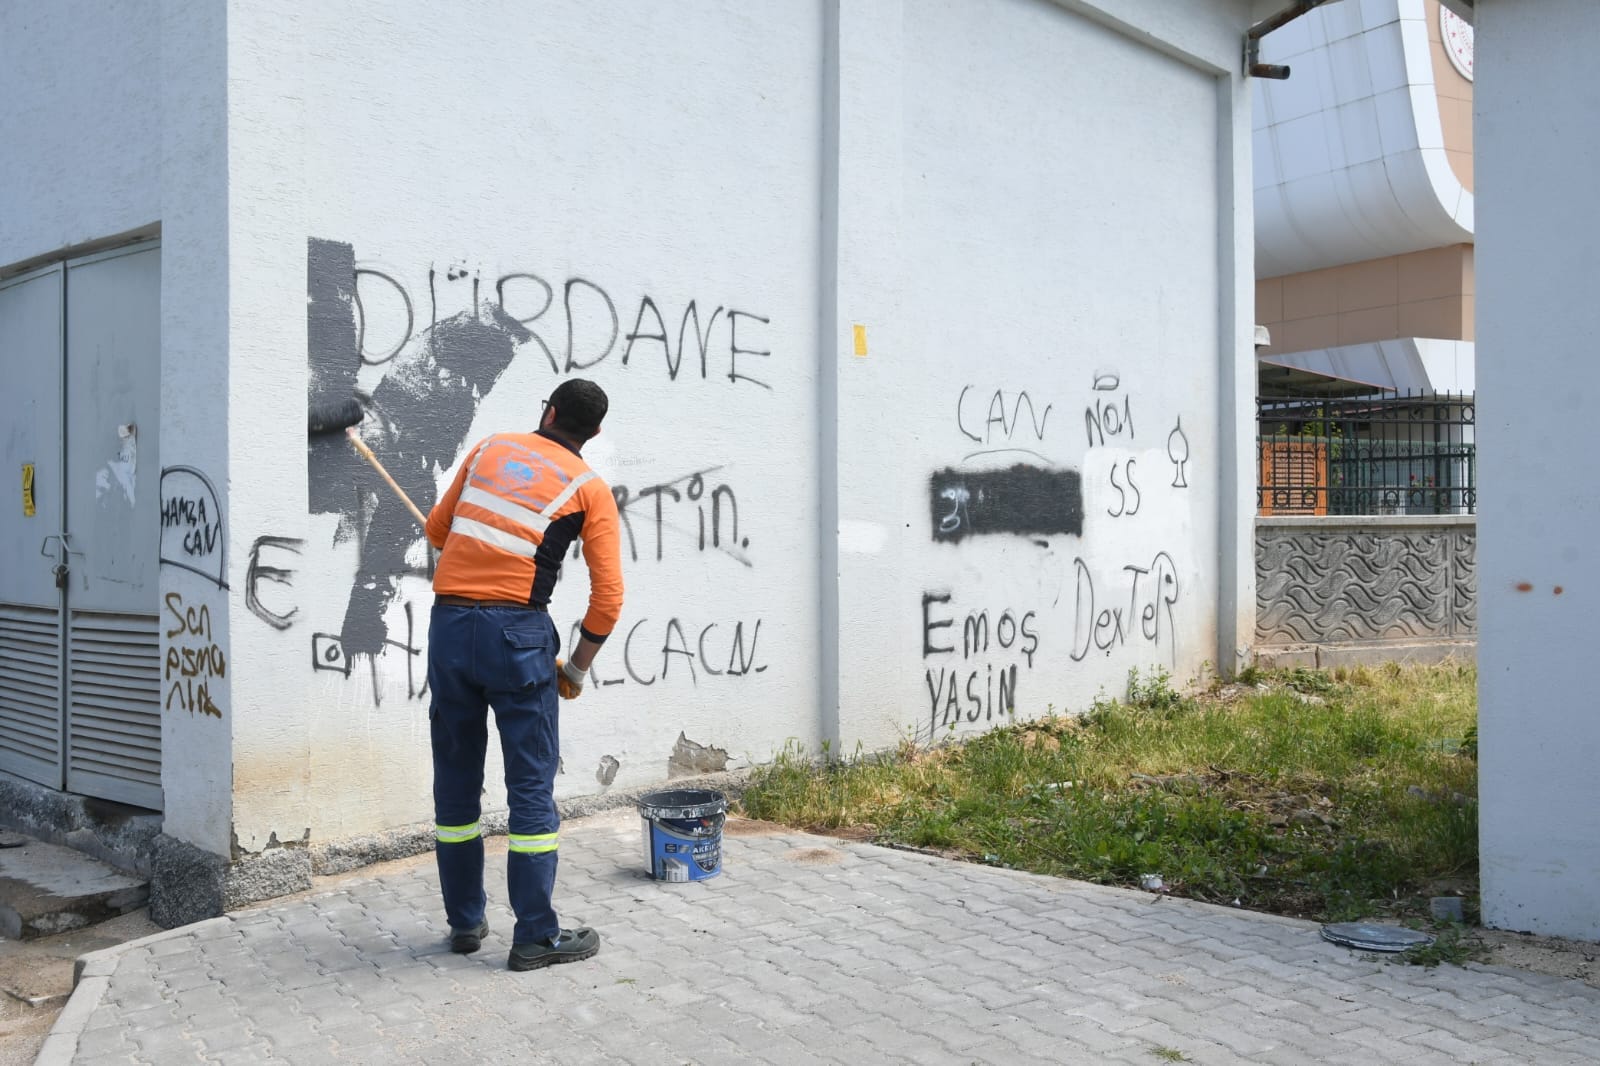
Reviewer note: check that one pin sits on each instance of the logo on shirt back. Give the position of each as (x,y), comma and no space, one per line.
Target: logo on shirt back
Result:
(519,473)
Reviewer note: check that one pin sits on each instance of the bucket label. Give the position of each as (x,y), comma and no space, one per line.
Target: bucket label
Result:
(678,855)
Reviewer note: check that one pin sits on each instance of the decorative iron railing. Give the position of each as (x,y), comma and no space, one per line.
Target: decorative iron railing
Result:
(1385,454)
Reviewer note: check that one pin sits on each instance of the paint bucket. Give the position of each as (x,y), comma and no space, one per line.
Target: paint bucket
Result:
(683,833)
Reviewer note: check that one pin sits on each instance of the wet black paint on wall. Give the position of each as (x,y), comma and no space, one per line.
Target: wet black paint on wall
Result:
(1022,500)
(417,421)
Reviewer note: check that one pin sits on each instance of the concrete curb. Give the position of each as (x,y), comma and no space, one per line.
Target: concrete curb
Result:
(1331,654)
(91,979)
(61,1046)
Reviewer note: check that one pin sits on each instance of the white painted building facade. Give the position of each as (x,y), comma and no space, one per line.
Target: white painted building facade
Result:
(927,328)
(1363,196)
(1539,574)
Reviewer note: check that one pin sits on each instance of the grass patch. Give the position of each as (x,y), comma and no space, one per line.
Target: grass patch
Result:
(1331,796)
(1451,943)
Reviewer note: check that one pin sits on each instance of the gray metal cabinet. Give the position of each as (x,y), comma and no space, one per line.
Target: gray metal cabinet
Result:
(80,665)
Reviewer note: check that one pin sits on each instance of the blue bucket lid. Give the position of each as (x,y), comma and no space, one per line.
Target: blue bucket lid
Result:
(682,803)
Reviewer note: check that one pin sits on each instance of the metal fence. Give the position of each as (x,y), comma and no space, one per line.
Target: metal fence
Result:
(1385,454)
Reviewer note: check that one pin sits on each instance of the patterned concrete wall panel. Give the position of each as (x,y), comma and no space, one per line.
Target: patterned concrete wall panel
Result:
(1364,581)
(1464,582)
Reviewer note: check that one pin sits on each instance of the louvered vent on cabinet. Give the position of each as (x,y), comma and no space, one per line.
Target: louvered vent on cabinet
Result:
(114,707)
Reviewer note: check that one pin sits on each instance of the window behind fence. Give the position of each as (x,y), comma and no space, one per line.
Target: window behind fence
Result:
(1385,454)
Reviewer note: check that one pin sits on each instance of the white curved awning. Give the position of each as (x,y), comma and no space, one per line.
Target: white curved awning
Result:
(1349,152)
(1409,364)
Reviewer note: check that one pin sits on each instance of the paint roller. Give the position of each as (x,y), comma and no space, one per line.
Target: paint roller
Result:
(343,416)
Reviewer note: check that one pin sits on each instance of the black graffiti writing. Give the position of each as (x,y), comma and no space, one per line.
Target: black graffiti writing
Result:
(585,285)
(328,654)
(437,375)
(588,323)
(951,701)
(978,689)
(260,571)
(674,360)
(716,514)
(734,351)
(193,660)
(413,658)
(929,624)
(716,649)
(361,315)
(1178,452)
(192,535)
(1010,628)
(983,430)
(526,321)
(200,533)
(1022,500)
(1105,418)
(1125,506)
(417,421)
(1105,623)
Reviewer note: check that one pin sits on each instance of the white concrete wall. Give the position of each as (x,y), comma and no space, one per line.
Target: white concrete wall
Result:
(1024,199)
(1537,154)
(1030,231)
(115,124)
(1008,197)
(634,164)
(82,124)
(196,733)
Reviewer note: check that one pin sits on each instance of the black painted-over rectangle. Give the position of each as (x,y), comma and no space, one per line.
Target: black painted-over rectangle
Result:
(1028,501)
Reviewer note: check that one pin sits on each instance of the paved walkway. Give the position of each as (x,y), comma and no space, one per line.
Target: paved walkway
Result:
(805,950)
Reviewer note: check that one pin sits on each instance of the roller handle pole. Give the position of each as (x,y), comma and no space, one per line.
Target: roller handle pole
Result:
(366,453)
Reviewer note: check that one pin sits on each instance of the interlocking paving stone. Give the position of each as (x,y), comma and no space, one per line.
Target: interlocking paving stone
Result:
(883,956)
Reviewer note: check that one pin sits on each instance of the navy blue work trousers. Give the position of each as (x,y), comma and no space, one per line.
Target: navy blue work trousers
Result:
(500,657)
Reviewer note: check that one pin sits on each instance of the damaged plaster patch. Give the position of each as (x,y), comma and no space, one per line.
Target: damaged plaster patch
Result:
(607,772)
(689,759)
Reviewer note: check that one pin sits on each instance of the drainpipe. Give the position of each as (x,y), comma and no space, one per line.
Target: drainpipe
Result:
(1253,66)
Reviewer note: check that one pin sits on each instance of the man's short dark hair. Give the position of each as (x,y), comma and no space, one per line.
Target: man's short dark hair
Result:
(581,406)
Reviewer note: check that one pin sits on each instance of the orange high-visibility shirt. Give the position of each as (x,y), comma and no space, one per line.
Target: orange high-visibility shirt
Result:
(509,519)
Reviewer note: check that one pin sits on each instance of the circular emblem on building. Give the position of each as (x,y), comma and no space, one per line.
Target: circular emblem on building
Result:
(1457,34)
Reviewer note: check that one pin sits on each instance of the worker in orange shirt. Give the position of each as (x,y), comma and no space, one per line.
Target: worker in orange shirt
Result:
(503,528)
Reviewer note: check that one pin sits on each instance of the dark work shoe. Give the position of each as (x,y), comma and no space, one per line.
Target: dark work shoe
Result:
(466,941)
(573,945)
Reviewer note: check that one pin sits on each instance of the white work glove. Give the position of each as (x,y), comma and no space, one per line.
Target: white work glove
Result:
(569,680)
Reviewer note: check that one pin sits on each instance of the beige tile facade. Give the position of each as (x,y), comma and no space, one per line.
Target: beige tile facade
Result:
(1455,102)
(1423,294)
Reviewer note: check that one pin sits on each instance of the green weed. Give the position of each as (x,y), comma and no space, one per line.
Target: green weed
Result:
(1310,795)
(1452,944)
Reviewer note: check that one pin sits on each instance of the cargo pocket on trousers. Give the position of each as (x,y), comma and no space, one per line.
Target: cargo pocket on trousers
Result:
(529,659)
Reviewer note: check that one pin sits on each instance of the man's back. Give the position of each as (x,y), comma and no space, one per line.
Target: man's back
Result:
(510,517)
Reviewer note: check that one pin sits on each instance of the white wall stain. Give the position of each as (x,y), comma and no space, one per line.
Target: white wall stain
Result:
(124,469)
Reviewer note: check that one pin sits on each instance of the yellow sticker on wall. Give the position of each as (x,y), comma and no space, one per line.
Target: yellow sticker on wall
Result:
(27,490)
(861,340)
